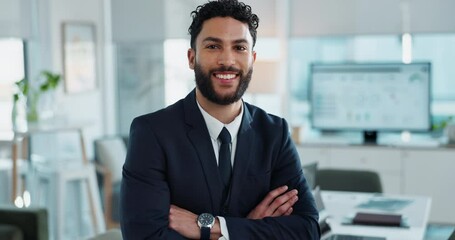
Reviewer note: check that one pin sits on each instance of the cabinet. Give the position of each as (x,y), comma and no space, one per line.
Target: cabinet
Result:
(403,170)
(432,173)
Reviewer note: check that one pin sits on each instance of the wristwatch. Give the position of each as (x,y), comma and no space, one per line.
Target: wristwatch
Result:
(205,221)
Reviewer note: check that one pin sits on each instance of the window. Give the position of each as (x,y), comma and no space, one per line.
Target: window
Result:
(12,70)
(439,49)
(179,77)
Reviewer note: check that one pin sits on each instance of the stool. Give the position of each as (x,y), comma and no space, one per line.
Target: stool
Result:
(57,179)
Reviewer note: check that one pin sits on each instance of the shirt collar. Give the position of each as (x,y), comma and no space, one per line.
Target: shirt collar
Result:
(215,126)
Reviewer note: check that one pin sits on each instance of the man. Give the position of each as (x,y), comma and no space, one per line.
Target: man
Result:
(181,182)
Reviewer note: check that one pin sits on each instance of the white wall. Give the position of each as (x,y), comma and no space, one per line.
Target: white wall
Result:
(15,18)
(137,20)
(178,19)
(432,16)
(334,17)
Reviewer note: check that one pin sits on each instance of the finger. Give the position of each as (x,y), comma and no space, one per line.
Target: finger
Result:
(288,212)
(284,209)
(264,206)
(177,211)
(262,209)
(174,209)
(284,198)
(273,194)
(280,201)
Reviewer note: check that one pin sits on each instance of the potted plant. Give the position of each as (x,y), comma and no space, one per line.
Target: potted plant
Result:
(19,112)
(36,97)
(439,127)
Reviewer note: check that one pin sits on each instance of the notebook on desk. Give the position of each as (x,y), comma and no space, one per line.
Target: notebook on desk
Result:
(376,219)
(326,231)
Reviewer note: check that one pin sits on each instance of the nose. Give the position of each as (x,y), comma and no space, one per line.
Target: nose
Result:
(226,58)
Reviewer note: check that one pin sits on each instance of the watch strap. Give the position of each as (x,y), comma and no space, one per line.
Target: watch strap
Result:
(205,233)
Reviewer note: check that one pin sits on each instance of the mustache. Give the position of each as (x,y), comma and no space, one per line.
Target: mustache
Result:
(226,69)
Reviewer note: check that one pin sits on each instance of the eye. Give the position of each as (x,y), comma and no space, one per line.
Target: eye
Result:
(241,48)
(212,46)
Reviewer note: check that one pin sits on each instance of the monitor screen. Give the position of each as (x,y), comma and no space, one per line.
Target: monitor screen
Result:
(370,96)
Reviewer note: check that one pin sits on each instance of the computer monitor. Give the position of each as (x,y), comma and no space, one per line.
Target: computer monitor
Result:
(370,97)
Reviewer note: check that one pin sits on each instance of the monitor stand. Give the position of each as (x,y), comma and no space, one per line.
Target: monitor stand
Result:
(370,137)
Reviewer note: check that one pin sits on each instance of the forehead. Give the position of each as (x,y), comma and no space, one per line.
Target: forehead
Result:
(226,29)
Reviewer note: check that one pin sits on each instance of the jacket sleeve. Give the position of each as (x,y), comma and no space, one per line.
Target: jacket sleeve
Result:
(303,222)
(144,197)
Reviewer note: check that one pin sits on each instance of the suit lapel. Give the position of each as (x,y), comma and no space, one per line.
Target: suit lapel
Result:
(199,136)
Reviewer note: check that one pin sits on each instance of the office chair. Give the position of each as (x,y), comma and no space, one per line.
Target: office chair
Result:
(348,180)
(111,234)
(110,154)
(452,236)
(309,171)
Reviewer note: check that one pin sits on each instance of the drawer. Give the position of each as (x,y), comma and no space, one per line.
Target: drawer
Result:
(314,154)
(372,158)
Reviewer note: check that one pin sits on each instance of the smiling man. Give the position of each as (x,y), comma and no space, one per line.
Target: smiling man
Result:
(212,166)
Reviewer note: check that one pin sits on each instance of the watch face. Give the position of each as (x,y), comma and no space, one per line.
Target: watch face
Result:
(205,220)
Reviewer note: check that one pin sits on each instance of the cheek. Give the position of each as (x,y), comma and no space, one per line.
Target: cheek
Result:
(205,63)
(246,61)
(207,59)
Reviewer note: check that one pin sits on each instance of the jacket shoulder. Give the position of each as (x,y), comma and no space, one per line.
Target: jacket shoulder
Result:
(259,115)
(168,114)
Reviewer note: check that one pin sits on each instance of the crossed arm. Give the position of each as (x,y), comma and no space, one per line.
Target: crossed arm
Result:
(146,195)
(278,202)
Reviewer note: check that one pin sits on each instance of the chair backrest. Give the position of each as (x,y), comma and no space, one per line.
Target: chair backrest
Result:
(348,180)
(112,234)
(309,171)
(33,222)
(111,153)
(452,237)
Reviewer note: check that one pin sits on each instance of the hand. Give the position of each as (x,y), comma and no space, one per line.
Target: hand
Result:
(278,202)
(185,223)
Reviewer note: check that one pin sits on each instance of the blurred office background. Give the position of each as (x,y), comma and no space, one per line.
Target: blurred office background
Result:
(140,65)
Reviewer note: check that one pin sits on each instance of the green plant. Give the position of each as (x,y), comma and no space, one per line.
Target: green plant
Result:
(32,94)
(51,82)
(442,124)
(22,87)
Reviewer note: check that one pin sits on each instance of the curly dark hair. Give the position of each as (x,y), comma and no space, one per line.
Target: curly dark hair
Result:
(223,8)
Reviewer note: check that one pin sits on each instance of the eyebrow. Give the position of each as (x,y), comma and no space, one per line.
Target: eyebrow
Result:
(218,40)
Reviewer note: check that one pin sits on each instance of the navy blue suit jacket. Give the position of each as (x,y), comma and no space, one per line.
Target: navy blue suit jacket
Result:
(171,160)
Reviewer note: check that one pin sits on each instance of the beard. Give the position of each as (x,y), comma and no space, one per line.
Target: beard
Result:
(205,85)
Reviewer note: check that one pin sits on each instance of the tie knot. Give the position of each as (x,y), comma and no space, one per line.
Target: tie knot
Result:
(224,136)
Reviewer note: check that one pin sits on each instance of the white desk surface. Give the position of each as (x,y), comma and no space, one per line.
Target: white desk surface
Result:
(340,205)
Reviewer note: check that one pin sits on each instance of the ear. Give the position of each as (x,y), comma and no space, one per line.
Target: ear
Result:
(191,54)
(254,56)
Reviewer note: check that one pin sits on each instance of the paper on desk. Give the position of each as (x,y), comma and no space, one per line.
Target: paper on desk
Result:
(385,204)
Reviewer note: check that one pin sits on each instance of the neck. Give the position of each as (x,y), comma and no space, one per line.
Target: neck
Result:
(224,113)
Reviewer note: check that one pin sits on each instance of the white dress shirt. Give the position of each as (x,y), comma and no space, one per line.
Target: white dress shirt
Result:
(214,126)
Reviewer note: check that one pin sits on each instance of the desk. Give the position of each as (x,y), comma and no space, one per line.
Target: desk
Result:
(403,170)
(339,205)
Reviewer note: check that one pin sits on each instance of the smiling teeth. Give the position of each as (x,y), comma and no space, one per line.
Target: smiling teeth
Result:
(225,76)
